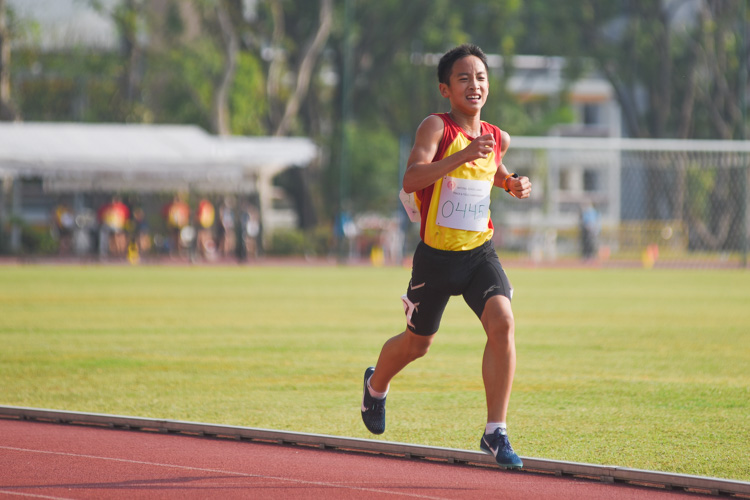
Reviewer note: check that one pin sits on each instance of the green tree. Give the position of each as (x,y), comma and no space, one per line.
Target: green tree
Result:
(675,66)
(8,110)
(393,87)
(678,71)
(194,61)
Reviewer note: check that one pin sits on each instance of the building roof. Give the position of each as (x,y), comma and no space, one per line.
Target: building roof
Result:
(119,157)
(65,24)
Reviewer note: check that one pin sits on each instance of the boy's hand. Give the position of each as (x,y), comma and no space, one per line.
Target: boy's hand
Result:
(520,187)
(481,147)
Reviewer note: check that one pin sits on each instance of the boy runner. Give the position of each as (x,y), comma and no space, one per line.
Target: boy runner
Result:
(455,161)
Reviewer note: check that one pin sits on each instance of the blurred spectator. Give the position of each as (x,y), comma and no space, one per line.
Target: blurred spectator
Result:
(65,223)
(177,215)
(205,216)
(589,231)
(141,235)
(250,219)
(226,230)
(392,242)
(112,219)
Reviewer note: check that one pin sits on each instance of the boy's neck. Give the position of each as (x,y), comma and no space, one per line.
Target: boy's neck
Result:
(471,124)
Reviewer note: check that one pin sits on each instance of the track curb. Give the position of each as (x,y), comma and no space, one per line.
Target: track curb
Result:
(603,473)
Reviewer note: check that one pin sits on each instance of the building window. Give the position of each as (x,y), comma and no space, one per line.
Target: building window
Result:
(591,180)
(591,114)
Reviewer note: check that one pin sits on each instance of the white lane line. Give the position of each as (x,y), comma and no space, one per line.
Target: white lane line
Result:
(242,474)
(32,495)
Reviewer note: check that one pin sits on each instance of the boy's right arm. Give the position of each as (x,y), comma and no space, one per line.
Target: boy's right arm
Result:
(421,171)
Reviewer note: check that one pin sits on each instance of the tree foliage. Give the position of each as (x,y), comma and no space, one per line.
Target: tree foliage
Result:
(7,108)
(282,67)
(675,65)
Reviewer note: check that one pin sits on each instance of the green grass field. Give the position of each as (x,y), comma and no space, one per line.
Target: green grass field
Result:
(636,368)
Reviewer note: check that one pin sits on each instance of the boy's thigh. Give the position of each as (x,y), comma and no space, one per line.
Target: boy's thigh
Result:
(489,280)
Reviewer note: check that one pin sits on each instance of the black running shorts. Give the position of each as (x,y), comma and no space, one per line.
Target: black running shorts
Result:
(439,274)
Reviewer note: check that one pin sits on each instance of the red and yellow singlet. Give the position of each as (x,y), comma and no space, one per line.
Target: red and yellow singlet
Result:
(455,210)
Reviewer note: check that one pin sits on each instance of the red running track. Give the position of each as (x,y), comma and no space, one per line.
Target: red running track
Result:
(58,461)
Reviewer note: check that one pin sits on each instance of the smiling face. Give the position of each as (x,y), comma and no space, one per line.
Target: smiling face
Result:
(468,86)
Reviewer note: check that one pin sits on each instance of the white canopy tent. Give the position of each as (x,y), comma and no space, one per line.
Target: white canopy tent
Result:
(77,157)
(115,157)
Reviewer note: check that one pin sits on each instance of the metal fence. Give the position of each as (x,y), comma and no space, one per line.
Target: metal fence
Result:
(629,201)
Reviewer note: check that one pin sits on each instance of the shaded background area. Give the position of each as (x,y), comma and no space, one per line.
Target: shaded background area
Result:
(325,71)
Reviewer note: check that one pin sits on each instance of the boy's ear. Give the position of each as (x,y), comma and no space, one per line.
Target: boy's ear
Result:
(444,90)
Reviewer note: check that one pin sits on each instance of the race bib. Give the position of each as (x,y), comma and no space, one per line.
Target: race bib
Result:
(407,199)
(464,204)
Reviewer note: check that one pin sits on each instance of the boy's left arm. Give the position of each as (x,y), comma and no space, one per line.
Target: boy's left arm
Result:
(516,186)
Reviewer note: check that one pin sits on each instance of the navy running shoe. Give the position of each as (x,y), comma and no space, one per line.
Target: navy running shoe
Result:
(373,409)
(497,444)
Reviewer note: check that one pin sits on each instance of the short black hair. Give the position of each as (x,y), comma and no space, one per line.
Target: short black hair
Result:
(445,66)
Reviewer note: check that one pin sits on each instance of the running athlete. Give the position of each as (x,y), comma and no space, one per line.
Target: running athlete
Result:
(455,161)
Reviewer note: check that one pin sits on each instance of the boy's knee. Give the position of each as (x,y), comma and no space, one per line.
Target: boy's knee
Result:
(497,319)
(419,352)
(419,346)
(501,330)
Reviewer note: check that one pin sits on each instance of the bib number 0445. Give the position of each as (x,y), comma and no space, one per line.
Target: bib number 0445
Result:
(464,204)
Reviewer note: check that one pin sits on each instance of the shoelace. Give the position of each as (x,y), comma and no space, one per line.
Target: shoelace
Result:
(378,405)
(503,441)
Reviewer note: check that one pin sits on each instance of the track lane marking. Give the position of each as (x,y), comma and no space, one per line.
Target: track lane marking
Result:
(32,495)
(201,469)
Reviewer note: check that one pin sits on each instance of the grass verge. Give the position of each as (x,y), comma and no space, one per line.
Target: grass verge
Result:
(636,368)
